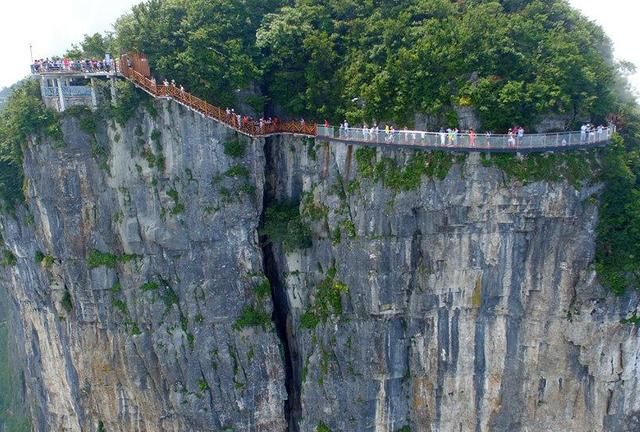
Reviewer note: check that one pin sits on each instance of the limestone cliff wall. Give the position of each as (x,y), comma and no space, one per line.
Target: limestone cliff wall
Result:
(471,304)
(467,304)
(136,357)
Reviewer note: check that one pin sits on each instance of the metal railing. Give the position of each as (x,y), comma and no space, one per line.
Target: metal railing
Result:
(467,141)
(235,121)
(432,140)
(67,91)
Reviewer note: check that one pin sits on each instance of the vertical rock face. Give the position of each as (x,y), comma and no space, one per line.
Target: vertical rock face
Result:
(145,336)
(469,303)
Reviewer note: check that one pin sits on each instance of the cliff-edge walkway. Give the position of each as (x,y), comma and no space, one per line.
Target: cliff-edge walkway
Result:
(135,68)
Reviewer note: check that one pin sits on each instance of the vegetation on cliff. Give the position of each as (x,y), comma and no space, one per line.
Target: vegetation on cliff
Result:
(23,117)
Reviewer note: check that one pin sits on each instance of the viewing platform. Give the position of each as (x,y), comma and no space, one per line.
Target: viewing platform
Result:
(65,84)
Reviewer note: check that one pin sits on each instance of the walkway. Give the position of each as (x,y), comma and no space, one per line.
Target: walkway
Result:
(130,67)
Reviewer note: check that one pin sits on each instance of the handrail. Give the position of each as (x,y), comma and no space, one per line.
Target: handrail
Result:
(446,140)
(232,120)
(468,141)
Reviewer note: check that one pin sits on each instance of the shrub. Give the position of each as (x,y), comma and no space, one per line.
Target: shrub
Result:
(149,286)
(309,320)
(23,116)
(169,297)
(39,256)
(106,259)
(66,302)
(85,116)
(203,385)
(8,258)
(235,148)
(128,101)
(155,135)
(178,207)
(263,289)
(283,224)
(237,171)
(120,305)
(252,317)
(327,301)
(116,288)
(322,427)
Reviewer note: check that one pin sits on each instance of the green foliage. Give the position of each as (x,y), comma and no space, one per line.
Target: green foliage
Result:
(92,46)
(8,259)
(178,206)
(404,429)
(169,297)
(576,168)
(283,224)
(237,171)
(116,288)
(349,228)
(322,427)
(262,289)
(134,328)
(107,259)
(618,247)
(252,317)
(327,301)
(46,260)
(235,148)
(121,306)
(66,302)
(633,319)
(313,210)
(409,175)
(203,385)
(155,135)
(38,257)
(129,99)
(23,116)
(85,116)
(193,41)
(150,286)
(309,320)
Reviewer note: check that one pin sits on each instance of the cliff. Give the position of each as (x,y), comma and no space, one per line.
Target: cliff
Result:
(467,301)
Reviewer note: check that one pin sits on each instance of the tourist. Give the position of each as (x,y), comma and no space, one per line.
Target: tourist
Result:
(520,135)
(443,137)
(583,133)
(472,138)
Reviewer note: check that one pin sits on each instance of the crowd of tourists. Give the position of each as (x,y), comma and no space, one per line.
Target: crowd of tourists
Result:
(453,137)
(591,133)
(444,137)
(263,125)
(68,65)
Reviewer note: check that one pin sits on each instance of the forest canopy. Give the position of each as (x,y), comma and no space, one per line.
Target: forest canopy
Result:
(513,61)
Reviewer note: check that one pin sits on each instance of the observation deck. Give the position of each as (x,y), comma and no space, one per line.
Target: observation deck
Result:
(74,83)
